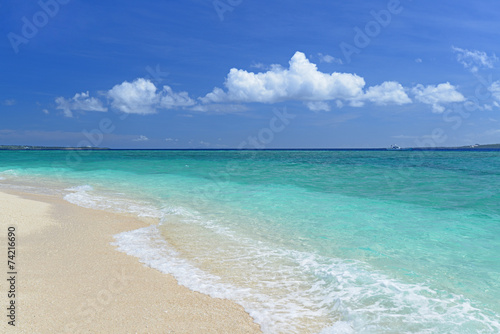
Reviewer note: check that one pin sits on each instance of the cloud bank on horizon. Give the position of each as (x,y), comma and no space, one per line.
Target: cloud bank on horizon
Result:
(301,81)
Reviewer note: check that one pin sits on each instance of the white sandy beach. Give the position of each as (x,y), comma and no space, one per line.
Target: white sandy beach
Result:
(71,279)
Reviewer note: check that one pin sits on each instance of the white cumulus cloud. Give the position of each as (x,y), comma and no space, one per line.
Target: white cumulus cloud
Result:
(389,92)
(438,95)
(474,59)
(169,99)
(81,101)
(142,97)
(301,81)
(137,97)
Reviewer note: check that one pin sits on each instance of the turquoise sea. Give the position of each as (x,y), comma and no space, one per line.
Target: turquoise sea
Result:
(305,241)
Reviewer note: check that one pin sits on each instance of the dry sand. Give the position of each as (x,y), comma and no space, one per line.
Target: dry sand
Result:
(71,280)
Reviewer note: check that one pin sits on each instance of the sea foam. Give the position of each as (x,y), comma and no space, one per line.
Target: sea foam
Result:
(342,297)
(289,291)
(85,196)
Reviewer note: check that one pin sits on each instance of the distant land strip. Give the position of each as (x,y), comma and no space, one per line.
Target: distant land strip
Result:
(27,147)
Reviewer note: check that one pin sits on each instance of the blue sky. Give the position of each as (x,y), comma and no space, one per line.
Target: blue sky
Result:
(240,73)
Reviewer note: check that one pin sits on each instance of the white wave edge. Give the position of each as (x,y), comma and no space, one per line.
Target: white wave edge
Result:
(152,250)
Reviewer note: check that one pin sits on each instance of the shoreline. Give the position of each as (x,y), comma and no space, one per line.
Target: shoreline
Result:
(71,279)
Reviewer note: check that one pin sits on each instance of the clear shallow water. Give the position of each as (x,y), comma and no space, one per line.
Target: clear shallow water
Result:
(306,241)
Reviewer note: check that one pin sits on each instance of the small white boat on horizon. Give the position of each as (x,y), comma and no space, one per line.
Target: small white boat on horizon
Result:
(395,147)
